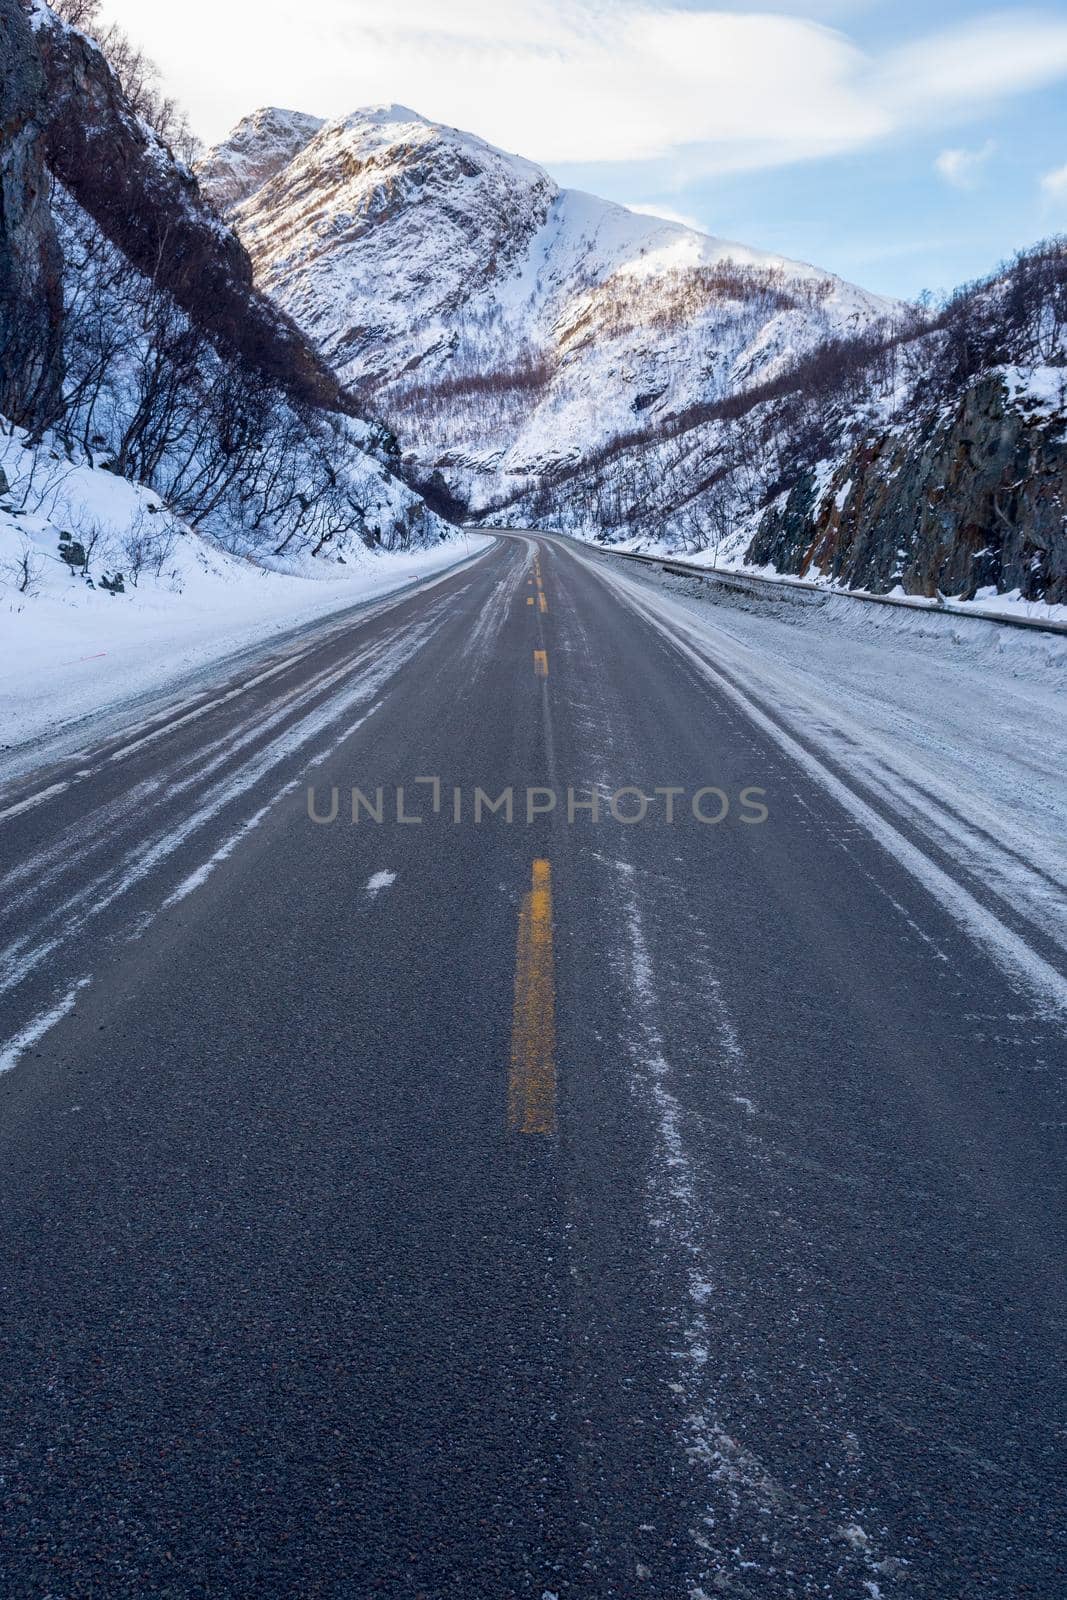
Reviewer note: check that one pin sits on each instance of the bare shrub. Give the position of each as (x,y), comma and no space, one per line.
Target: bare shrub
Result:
(148,544)
(138,76)
(26,570)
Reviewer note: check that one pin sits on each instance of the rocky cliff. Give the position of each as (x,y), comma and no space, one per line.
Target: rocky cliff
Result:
(150,206)
(30,263)
(176,372)
(970,497)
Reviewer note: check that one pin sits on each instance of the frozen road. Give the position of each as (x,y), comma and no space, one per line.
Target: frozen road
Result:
(556,1206)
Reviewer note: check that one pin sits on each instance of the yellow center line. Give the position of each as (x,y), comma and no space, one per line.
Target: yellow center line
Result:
(532,1079)
(541,663)
(541,601)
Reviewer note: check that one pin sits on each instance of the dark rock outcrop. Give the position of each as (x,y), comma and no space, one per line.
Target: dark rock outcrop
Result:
(150,206)
(965,497)
(31,295)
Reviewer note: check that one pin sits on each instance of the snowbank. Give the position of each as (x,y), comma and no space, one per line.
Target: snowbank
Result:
(69,647)
(987,602)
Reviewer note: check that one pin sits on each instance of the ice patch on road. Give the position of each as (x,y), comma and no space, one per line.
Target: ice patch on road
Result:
(677,1213)
(196,879)
(497,606)
(35,1031)
(747,1518)
(31,948)
(33,800)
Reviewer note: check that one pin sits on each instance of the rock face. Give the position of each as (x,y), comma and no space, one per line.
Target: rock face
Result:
(260,146)
(963,499)
(31,305)
(151,208)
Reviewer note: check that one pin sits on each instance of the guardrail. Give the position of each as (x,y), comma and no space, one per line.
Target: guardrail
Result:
(749,582)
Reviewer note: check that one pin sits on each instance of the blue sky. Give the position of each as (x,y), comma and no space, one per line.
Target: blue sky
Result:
(905,146)
(887,215)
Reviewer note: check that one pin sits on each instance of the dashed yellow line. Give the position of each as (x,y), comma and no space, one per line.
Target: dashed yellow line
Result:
(541,601)
(529,599)
(532,1079)
(541,663)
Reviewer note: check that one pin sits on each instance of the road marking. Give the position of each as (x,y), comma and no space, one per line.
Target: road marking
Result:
(529,599)
(380,880)
(532,1080)
(541,601)
(541,663)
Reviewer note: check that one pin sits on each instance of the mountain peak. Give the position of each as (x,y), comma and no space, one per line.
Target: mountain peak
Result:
(385,113)
(258,147)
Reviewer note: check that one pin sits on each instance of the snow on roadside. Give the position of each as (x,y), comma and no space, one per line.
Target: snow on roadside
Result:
(729,558)
(70,648)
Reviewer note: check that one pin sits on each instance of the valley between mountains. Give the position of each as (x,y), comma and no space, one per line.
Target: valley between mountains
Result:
(554,360)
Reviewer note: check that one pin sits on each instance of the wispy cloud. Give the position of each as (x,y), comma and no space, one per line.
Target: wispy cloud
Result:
(963,168)
(695,91)
(1054,184)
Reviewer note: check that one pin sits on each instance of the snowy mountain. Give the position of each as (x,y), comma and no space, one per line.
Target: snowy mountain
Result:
(551,359)
(503,326)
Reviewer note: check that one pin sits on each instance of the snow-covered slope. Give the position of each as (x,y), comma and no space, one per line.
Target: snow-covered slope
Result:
(383,230)
(502,324)
(105,594)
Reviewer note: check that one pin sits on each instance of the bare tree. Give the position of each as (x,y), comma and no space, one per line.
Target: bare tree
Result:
(138,77)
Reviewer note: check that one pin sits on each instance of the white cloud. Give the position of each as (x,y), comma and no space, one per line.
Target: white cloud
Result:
(963,168)
(668,214)
(1054,184)
(689,92)
(960,69)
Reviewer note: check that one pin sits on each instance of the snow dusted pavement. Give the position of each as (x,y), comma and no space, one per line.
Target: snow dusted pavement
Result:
(765,1295)
(955,726)
(71,656)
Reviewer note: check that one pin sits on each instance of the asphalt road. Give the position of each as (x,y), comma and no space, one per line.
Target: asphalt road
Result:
(550,1207)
